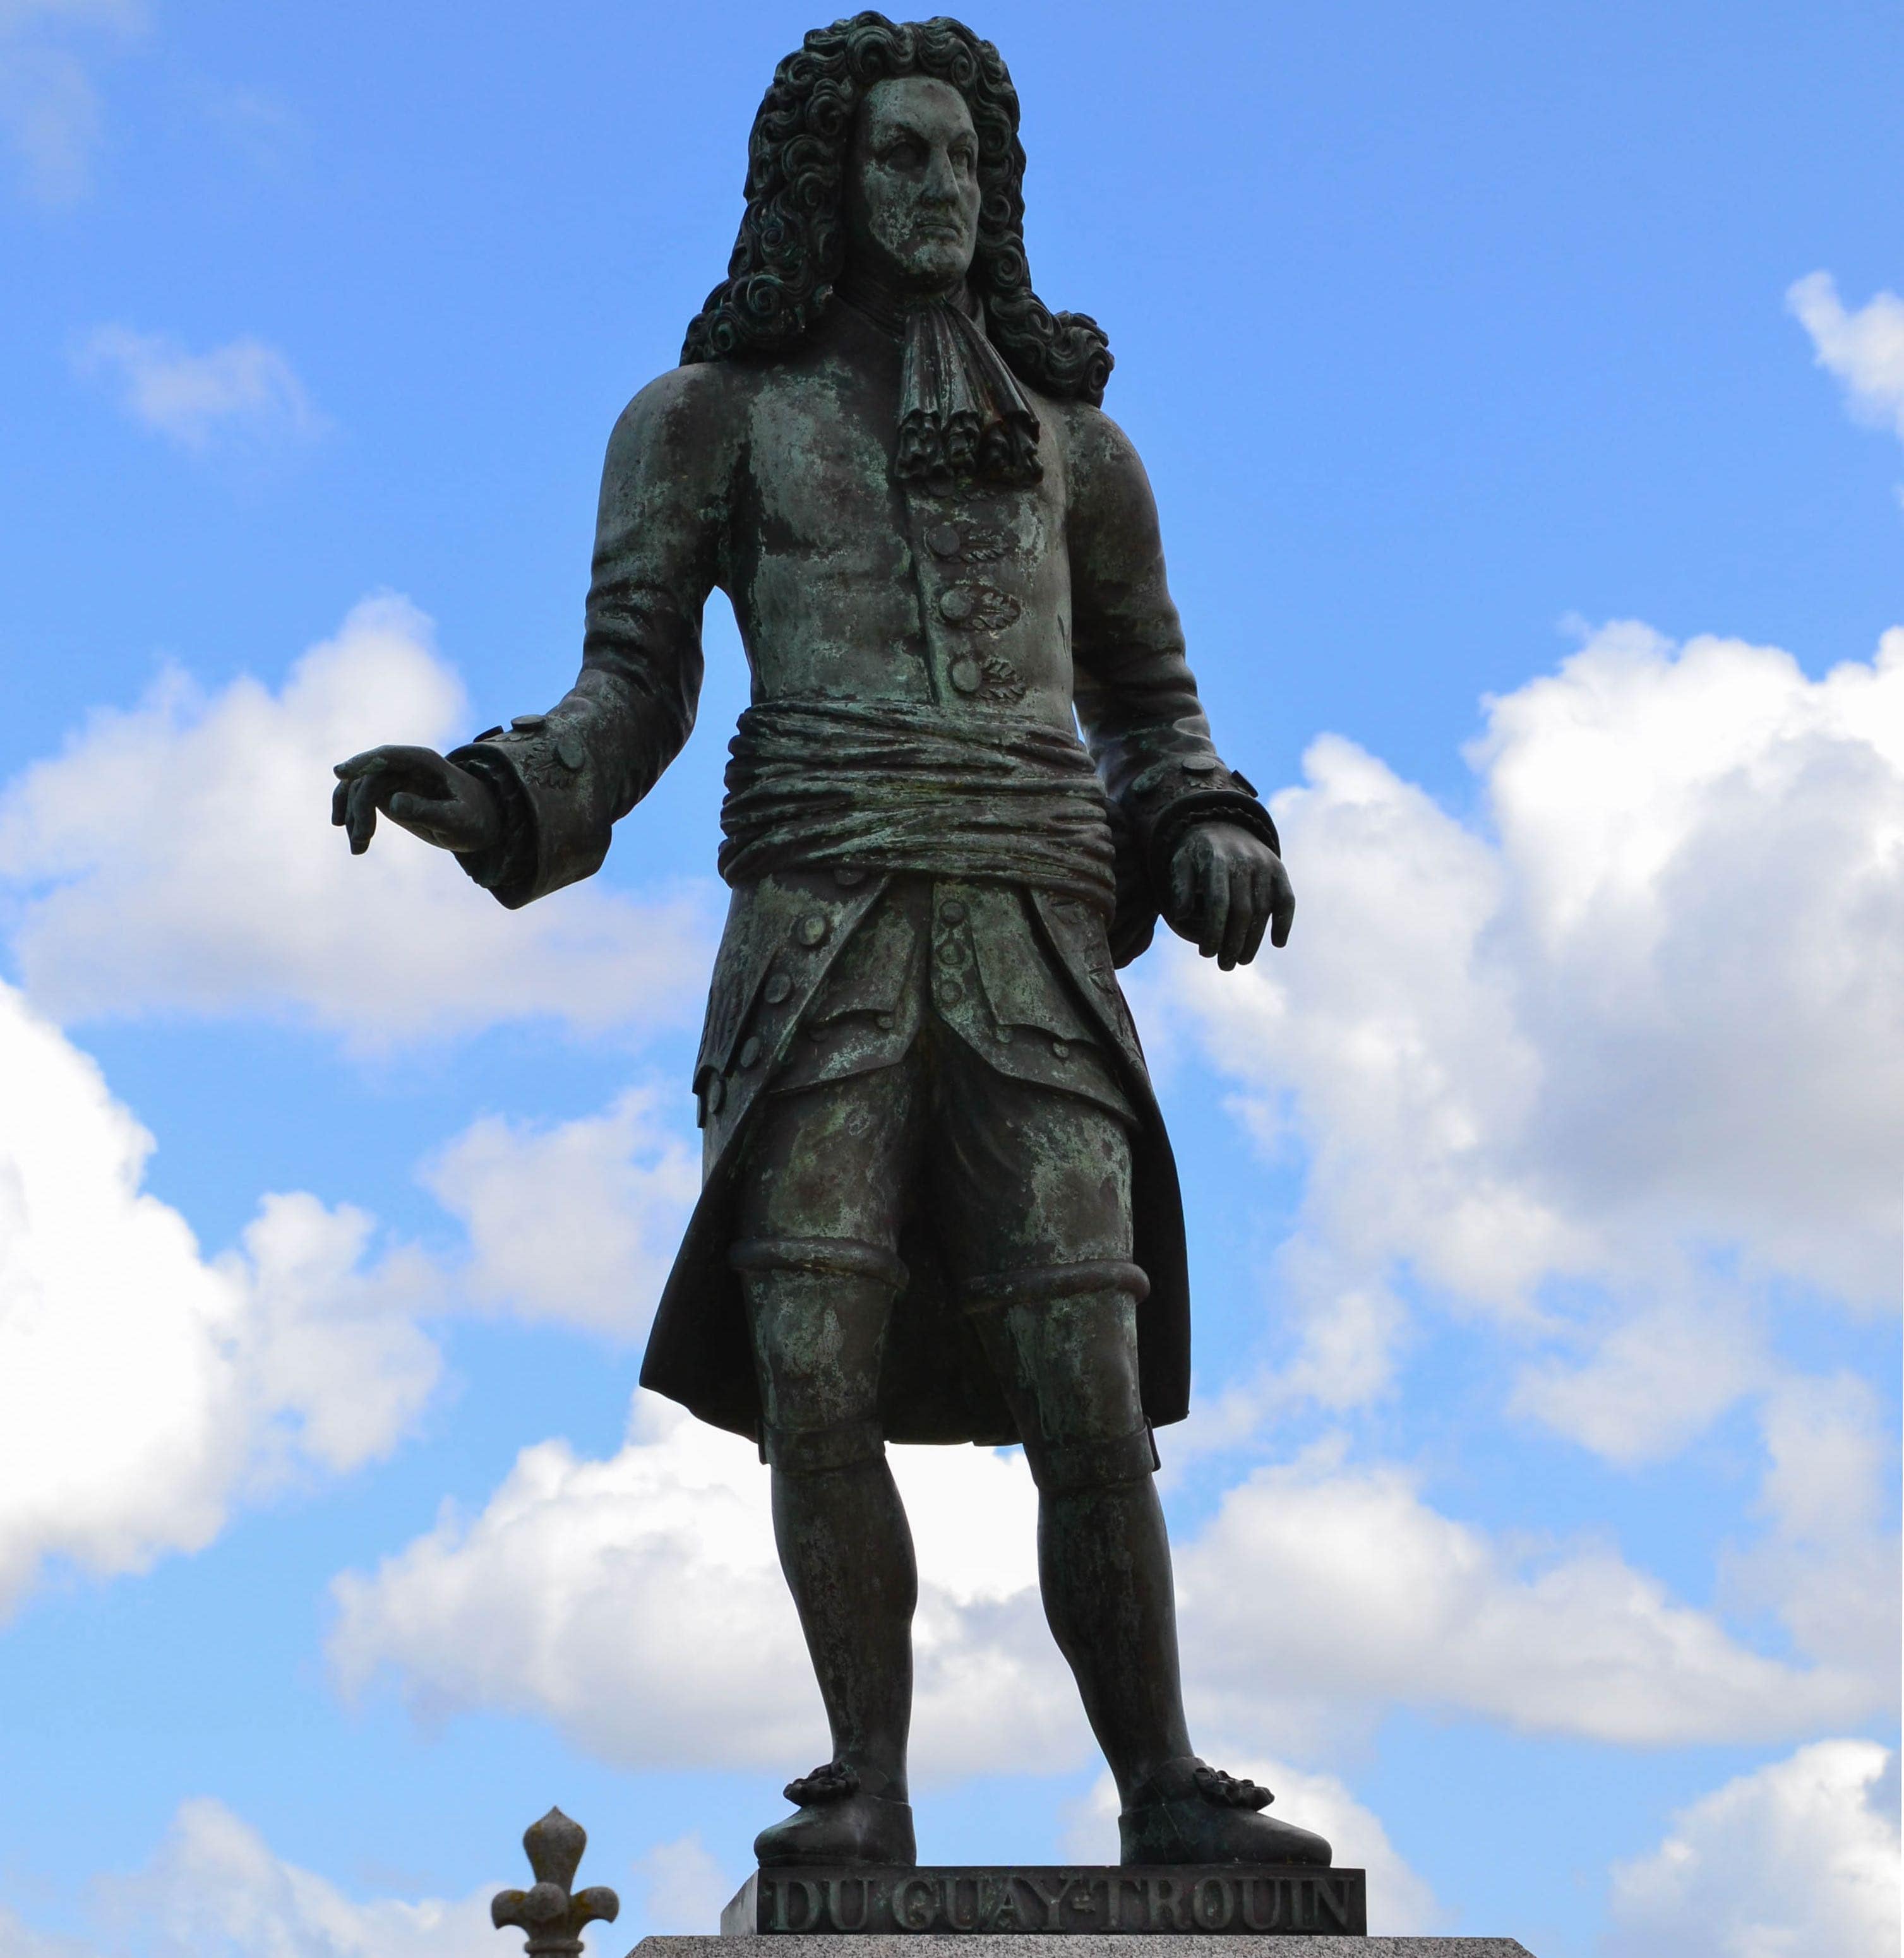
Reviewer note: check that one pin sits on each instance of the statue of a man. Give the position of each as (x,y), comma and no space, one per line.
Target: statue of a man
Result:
(939,1203)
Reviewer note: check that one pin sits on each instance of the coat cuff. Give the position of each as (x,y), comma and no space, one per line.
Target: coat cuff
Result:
(1172,795)
(554,831)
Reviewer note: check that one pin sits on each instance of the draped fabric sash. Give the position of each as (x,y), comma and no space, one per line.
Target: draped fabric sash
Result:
(889,786)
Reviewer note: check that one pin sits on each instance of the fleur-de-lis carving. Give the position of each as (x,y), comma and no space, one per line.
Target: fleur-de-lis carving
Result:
(551,1916)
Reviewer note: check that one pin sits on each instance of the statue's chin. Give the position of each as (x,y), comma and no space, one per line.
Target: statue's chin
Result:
(931,267)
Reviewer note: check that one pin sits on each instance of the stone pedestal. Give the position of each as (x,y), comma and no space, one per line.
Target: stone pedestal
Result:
(1220,1912)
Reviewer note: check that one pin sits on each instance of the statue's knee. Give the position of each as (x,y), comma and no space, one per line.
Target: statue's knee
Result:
(1063,1340)
(817,1313)
(819,1451)
(1079,1464)
(816,1257)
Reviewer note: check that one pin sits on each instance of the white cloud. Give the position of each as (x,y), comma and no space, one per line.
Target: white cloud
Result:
(180,857)
(687,1890)
(215,1890)
(1651,1383)
(1393,1602)
(143,1390)
(1865,349)
(1400,1902)
(243,389)
(1645,1040)
(1799,1858)
(51,116)
(1828,1562)
(577,1223)
(638,1603)
(18,1939)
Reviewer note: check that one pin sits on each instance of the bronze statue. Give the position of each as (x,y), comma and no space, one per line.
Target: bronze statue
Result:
(939,1203)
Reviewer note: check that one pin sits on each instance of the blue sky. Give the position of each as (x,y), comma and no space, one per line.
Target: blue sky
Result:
(1522,389)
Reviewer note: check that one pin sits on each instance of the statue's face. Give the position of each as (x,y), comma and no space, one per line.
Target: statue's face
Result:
(912,184)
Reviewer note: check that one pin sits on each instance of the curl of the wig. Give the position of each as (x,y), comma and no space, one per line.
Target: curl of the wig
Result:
(792,244)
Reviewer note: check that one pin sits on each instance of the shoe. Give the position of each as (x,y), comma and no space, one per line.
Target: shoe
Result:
(838,1821)
(1188,1812)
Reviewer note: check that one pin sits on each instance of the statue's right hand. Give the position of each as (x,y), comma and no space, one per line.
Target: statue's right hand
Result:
(419,791)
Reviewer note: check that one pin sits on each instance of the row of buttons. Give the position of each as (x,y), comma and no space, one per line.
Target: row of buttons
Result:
(953,954)
(971,607)
(809,932)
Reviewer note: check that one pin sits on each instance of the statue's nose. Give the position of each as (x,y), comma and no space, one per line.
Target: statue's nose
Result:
(942,186)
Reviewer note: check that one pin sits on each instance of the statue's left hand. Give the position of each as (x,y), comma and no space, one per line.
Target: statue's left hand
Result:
(1227,887)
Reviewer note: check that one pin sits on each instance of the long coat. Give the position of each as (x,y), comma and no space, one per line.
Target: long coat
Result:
(773,481)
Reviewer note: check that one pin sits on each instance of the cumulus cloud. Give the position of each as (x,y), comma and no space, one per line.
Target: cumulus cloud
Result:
(179,857)
(1601,1074)
(1400,1902)
(215,1886)
(18,1939)
(1398,1603)
(51,115)
(244,389)
(577,1223)
(1828,1562)
(144,1388)
(1800,1857)
(1863,349)
(638,1603)
(687,1890)
(1651,1381)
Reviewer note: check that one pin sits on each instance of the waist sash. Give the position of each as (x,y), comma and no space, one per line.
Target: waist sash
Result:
(892,786)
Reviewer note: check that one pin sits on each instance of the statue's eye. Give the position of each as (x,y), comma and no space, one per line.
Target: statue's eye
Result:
(904,153)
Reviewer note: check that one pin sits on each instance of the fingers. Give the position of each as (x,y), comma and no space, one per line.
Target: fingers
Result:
(412,811)
(1245,910)
(1184,887)
(433,818)
(1282,907)
(360,813)
(1216,908)
(1259,900)
(422,816)
(353,802)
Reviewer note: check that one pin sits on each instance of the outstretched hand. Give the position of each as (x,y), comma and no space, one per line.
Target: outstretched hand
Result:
(1227,887)
(419,791)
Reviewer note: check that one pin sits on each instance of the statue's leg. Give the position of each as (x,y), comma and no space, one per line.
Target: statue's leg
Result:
(816,1223)
(1043,1189)
(1035,1183)
(1069,1368)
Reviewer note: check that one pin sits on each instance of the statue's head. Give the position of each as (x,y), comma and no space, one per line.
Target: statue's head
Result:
(891,151)
(911,188)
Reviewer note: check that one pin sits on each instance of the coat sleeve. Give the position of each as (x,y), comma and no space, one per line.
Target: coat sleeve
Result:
(565,777)
(1136,696)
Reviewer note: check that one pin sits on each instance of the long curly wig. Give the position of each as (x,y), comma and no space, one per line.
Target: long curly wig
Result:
(793,238)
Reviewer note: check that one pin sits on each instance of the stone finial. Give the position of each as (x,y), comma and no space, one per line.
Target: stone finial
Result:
(551,1916)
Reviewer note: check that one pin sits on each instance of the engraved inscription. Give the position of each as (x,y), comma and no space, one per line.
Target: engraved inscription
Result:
(1212,1900)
